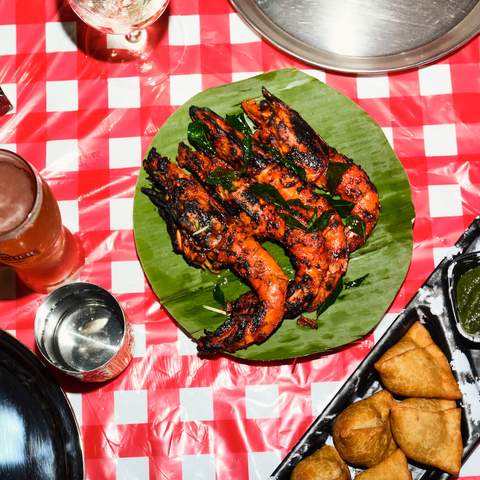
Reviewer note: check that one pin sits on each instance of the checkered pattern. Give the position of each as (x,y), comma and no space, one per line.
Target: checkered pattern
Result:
(85,123)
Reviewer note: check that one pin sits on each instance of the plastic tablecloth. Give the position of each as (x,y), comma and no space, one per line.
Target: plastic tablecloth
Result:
(84,123)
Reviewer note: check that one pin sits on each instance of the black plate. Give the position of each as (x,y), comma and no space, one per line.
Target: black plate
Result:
(431,306)
(39,437)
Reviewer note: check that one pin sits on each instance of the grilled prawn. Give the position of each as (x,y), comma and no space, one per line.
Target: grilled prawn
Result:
(284,129)
(315,275)
(202,232)
(320,258)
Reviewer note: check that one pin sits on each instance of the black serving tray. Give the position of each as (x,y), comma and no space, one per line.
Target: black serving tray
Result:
(431,306)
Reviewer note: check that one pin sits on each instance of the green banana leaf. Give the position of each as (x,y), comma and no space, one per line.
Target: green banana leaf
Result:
(184,290)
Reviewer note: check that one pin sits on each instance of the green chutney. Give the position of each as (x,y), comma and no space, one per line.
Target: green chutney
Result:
(468,300)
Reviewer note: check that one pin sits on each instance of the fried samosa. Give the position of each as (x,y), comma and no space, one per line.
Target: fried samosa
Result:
(429,404)
(361,433)
(393,467)
(324,464)
(429,433)
(416,367)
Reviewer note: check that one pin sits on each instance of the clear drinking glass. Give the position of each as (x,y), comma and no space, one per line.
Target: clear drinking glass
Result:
(32,238)
(127,19)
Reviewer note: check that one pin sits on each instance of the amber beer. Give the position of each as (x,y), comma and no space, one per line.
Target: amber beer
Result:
(32,238)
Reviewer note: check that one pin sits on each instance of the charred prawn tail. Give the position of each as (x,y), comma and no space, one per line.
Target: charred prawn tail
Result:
(232,332)
(254,316)
(156,168)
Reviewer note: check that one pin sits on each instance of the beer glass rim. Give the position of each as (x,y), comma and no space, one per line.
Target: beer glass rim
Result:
(33,213)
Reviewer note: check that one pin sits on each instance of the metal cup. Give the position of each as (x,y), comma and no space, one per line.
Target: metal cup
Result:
(81,330)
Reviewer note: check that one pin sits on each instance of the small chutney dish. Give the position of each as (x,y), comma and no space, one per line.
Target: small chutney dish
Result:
(462,277)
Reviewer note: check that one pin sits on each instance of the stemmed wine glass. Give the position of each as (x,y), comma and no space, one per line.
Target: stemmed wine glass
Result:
(124,20)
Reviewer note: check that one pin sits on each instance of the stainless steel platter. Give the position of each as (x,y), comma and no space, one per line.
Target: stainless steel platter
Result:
(364,36)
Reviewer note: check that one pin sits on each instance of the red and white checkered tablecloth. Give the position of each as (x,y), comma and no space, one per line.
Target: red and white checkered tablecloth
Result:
(84,124)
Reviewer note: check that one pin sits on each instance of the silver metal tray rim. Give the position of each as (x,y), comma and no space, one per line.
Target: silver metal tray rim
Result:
(464,31)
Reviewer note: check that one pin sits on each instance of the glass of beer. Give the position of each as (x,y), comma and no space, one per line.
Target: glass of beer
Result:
(32,238)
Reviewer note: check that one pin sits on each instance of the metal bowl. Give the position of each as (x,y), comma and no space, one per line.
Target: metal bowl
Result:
(81,329)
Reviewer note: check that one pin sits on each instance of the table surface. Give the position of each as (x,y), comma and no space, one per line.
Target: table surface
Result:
(84,123)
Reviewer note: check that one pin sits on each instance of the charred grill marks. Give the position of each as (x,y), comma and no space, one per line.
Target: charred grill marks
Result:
(306,250)
(186,206)
(285,129)
(310,253)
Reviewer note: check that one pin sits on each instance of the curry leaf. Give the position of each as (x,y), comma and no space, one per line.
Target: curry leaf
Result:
(218,294)
(197,134)
(299,171)
(343,207)
(292,222)
(355,283)
(356,225)
(298,203)
(223,177)
(247,150)
(335,172)
(316,223)
(331,299)
(238,122)
(270,194)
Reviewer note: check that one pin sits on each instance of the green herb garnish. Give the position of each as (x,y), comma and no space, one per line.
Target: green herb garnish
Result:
(218,294)
(355,283)
(341,285)
(292,222)
(223,177)
(298,203)
(319,223)
(331,299)
(270,194)
(299,171)
(239,122)
(247,150)
(334,174)
(343,207)
(198,137)
(355,224)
